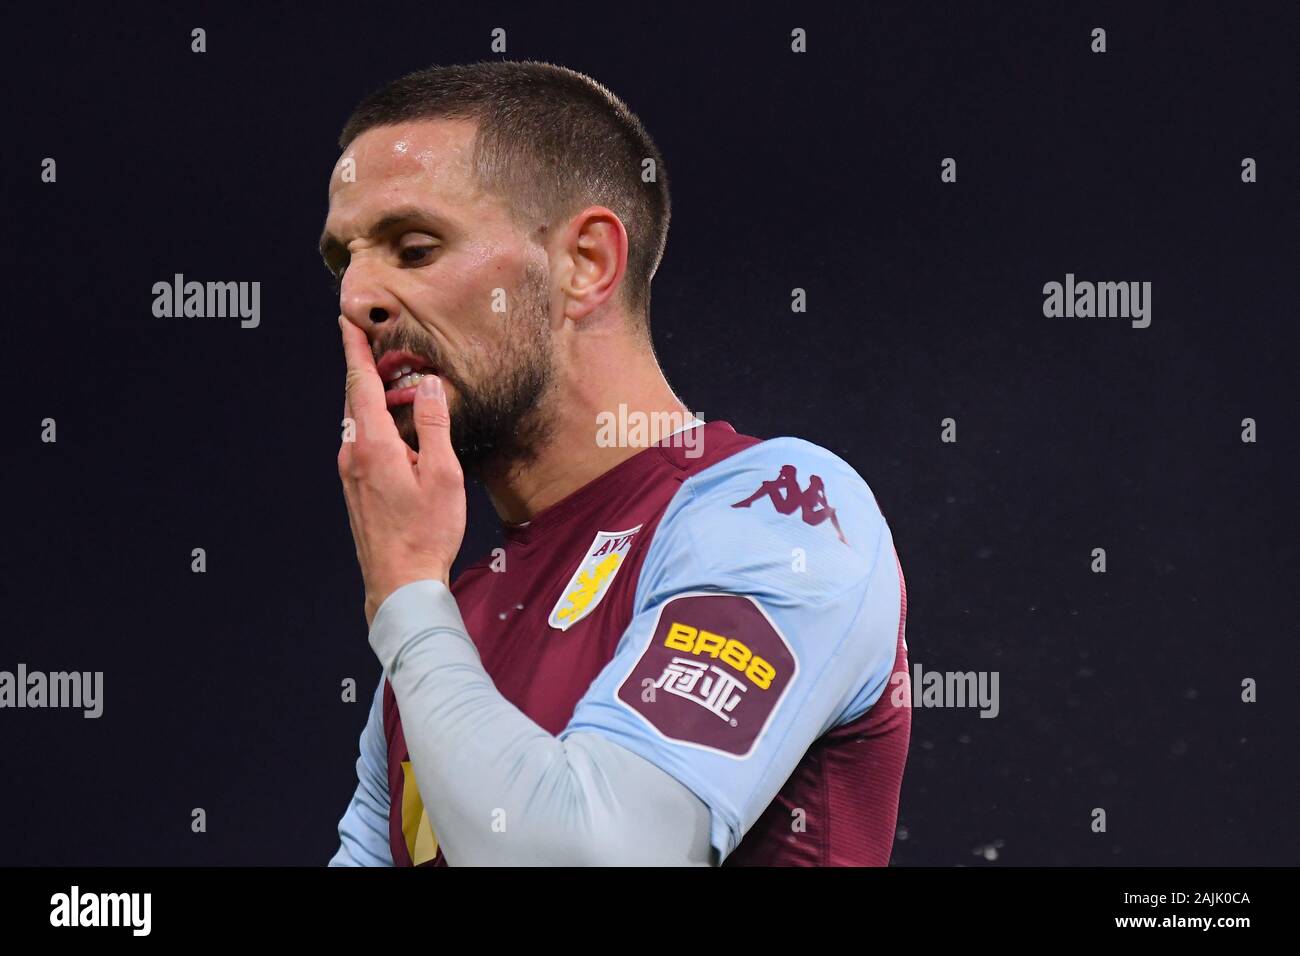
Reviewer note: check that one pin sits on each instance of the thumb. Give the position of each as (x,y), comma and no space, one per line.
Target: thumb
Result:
(433,426)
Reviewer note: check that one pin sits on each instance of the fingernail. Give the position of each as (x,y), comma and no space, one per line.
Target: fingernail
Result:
(431,386)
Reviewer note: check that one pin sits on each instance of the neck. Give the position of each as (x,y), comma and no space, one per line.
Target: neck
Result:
(584,439)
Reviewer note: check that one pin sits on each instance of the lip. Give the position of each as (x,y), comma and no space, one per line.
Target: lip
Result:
(390,365)
(399,396)
(390,362)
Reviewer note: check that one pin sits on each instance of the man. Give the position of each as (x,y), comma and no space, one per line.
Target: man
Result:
(681,654)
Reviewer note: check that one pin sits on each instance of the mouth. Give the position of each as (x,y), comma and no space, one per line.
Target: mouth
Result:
(401,373)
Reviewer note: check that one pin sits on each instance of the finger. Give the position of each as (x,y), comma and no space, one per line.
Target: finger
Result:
(433,426)
(348,437)
(346,472)
(365,392)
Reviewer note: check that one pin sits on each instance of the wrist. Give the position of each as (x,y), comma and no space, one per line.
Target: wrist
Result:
(375,601)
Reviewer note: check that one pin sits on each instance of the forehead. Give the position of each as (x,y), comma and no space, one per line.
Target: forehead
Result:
(428,161)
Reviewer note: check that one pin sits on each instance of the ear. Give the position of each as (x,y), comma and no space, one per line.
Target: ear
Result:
(593,254)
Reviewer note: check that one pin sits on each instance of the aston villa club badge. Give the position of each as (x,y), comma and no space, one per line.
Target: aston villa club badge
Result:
(591,582)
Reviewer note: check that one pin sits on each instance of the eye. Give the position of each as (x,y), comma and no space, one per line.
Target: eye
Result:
(412,255)
(415,248)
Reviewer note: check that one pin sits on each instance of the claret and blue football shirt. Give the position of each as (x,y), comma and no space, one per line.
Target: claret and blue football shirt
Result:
(730,610)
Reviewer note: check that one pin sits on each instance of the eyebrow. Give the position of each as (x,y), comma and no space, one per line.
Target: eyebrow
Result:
(403,216)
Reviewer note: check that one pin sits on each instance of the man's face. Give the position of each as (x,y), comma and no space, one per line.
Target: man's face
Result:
(442,279)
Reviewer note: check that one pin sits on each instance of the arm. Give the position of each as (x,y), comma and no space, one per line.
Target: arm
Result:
(499,790)
(363,830)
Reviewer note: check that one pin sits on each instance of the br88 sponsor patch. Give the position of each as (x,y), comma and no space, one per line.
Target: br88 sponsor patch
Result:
(713,674)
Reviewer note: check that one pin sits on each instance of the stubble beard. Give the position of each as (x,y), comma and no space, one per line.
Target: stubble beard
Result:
(500,423)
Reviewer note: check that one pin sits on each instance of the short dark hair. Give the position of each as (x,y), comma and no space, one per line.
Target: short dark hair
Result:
(550,141)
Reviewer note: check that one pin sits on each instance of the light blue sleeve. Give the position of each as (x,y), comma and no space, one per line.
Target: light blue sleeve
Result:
(500,790)
(363,831)
(778,552)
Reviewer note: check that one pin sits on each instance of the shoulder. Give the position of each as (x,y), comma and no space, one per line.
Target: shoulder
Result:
(773,567)
(784,516)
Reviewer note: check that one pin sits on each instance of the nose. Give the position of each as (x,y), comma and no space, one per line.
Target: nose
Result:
(364,297)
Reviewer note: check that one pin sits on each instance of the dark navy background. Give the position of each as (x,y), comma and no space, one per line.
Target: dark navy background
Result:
(820,171)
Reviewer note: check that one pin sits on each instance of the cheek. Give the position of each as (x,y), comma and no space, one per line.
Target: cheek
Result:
(474,307)
(484,310)
(497,276)
(493,255)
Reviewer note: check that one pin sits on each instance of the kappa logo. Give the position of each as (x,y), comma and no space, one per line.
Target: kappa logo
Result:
(591,582)
(787,498)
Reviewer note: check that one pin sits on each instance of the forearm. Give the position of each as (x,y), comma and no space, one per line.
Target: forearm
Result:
(497,787)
